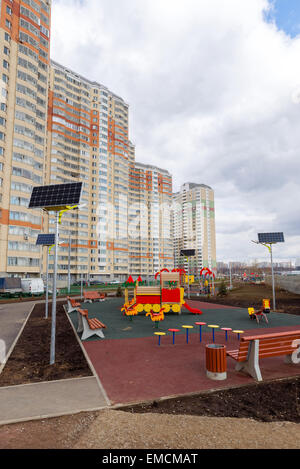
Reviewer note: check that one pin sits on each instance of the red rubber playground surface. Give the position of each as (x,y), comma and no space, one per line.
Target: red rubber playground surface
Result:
(138,369)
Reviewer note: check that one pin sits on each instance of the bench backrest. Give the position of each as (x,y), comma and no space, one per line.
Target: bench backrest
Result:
(72,301)
(92,295)
(270,345)
(84,312)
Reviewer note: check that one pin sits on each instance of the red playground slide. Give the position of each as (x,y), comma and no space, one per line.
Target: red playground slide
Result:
(192,310)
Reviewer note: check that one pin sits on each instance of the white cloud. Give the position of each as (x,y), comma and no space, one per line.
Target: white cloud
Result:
(214,97)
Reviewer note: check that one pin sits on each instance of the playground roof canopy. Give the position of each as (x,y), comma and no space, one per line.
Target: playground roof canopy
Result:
(170,277)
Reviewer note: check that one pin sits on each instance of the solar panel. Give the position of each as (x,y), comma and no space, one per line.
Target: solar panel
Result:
(270,238)
(45,240)
(56,196)
(187,252)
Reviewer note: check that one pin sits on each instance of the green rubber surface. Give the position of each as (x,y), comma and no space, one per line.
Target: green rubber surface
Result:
(122,327)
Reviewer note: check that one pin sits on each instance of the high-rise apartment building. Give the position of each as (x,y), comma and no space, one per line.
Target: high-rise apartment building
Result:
(193,223)
(57,126)
(88,141)
(24,68)
(149,217)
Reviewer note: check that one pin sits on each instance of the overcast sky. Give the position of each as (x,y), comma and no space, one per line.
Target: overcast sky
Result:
(214,94)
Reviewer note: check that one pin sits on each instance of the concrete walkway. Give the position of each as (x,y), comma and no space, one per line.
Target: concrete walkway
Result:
(50,399)
(41,400)
(12,319)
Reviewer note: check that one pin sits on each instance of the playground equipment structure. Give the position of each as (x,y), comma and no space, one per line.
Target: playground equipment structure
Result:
(253,314)
(209,280)
(164,298)
(157,317)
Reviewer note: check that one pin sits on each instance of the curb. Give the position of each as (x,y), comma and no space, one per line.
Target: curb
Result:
(60,414)
(2,365)
(54,415)
(198,394)
(89,361)
(44,417)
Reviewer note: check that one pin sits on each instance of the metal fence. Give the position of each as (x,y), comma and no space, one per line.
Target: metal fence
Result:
(290,283)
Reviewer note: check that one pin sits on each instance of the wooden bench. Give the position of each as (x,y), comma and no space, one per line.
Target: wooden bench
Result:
(89,327)
(73,305)
(253,347)
(90,296)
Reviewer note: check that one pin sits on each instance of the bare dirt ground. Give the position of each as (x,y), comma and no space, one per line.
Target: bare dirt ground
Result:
(264,415)
(264,402)
(111,429)
(246,295)
(29,361)
(150,431)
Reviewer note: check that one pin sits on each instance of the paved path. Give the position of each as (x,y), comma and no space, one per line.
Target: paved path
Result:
(133,371)
(42,400)
(12,319)
(140,370)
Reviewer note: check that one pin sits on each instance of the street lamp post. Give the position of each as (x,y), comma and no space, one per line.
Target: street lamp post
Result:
(273,279)
(81,287)
(46,240)
(267,240)
(188,261)
(58,198)
(69,265)
(53,324)
(187,253)
(47,283)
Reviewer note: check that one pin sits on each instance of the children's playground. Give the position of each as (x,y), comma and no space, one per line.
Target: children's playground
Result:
(158,344)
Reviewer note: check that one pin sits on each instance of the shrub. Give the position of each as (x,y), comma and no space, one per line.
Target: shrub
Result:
(222,289)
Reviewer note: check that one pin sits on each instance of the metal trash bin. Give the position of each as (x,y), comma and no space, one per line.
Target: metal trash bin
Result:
(216,363)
